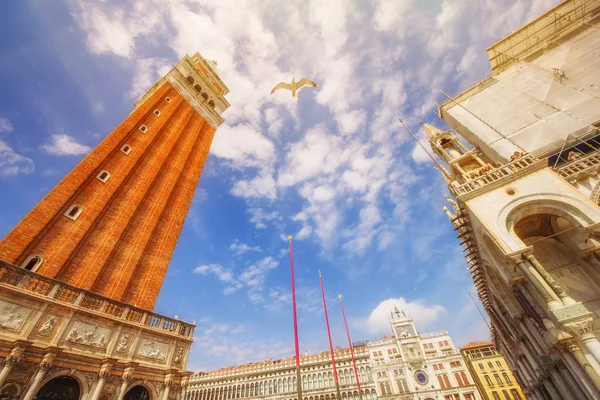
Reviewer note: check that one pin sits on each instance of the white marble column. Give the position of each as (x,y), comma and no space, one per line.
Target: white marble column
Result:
(104,373)
(125,379)
(10,360)
(43,367)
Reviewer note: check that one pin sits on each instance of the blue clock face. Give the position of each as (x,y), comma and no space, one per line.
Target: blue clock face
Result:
(421,377)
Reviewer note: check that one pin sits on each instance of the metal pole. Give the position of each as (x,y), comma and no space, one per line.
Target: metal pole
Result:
(298,381)
(350,345)
(335,375)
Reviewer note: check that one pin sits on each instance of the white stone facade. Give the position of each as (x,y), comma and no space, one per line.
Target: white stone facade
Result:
(405,366)
(529,219)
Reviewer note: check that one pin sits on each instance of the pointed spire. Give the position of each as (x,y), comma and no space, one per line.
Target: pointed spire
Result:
(430,130)
(396,310)
(447,176)
(448,213)
(453,203)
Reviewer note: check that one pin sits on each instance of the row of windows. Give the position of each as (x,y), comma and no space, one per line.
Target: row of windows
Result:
(33,262)
(467,396)
(490,365)
(461,379)
(514,392)
(507,379)
(264,388)
(386,389)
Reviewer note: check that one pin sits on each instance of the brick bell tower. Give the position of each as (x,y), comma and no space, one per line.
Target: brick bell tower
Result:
(111,225)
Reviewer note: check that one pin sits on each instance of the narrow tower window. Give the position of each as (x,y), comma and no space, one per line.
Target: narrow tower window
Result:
(74,212)
(126,149)
(211,103)
(157,113)
(190,79)
(205,96)
(168,99)
(32,263)
(103,176)
(198,88)
(143,128)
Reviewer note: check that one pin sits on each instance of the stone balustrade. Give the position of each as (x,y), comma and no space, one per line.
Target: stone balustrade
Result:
(497,175)
(20,278)
(581,167)
(47,313)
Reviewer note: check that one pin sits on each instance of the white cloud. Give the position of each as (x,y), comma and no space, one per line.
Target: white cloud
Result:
(240,248)
(5,125)
(147,71)
(422,314)
(12,163)
(259,217)
(65,145)
(221,273)
(256,274)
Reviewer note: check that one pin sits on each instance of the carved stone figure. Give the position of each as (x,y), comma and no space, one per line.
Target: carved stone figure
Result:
(89,337)
(151,349)
(11,316)
(178,354)
(123,343)
(48,327)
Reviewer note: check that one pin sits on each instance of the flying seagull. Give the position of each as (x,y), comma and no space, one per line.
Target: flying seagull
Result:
(294,86)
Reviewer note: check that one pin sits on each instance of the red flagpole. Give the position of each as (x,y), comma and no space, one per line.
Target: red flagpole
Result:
(350,344)
(335,375)
(298,381)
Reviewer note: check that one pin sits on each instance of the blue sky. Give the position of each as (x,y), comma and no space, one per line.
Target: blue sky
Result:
(334,167)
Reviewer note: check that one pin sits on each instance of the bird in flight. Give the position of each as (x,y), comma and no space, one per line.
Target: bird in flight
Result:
(294,86)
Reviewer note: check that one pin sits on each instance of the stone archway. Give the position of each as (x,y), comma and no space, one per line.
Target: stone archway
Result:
(10,391)
(62,387)
(138,392)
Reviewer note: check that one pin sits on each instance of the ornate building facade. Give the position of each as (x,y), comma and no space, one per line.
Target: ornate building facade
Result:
(404,366)
(81,272)
(491,373)
(525,197)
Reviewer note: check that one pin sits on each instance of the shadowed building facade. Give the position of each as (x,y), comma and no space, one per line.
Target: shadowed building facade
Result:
(525,197)
(81,272)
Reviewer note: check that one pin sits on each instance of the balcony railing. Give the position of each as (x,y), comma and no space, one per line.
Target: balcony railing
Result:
(39,285)
(496,175)
(572,170)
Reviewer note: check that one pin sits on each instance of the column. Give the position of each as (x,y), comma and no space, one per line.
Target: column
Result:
(165,393)
(104,373)
(561,385)
(125,379)
(565,299)
(42,368)
(550,298)
(575,358)
(10,360)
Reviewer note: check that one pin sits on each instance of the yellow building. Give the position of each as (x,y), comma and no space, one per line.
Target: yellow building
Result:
(491,373)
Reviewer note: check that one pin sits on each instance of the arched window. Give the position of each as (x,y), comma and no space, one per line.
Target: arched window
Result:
(247,390)
(458,379)
(285,385)
(32,263)
(464,378)
(126,149)
(261,389)
(197,88)
(168,99)
(157,112)
(205,96)
(294,381)
(447,381)
(441,382)
(103,176)
(279,386)
(143,128)
(211,103)
(190,79)
(74,211)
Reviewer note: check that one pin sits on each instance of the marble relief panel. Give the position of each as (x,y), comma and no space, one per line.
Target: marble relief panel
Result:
(88,334)
(152,350)
(13,315)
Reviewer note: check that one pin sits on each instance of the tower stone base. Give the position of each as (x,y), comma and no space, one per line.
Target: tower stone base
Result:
(54,334)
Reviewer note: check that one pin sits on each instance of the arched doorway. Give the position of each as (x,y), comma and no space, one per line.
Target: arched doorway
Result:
(137,393)
(556,244)
(60,388)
